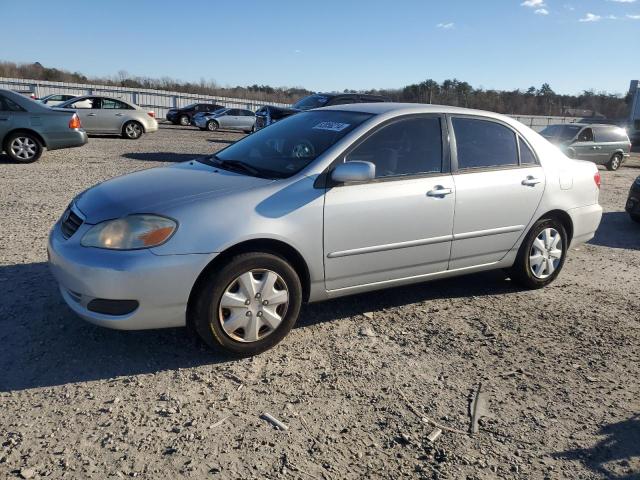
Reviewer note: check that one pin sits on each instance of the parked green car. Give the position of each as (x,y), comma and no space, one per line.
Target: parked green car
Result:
(28,127)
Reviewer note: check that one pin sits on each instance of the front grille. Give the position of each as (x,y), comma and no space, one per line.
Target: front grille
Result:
(70,223)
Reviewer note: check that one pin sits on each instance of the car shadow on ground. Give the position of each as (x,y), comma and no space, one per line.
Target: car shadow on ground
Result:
(169,157)
(617,230)
(611,457)
(221,141)
(45,344)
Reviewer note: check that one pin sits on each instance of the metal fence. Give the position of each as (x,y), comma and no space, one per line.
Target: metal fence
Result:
(160,100)
(157,100)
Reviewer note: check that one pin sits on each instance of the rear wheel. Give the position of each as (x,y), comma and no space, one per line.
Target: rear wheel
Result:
(184,120)
(23,147)
(615,162)
(635,217)
(542,254)
(132,130)
(212,125)
(248,305)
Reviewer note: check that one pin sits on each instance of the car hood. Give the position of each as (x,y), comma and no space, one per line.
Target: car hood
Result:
(157,189)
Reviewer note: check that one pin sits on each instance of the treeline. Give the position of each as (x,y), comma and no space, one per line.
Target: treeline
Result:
(532,101)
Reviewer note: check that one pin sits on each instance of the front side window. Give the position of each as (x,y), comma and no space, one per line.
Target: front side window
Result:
(484,144)
(586,135)
(86,103)
(410,146)
(289,145)
(561,133)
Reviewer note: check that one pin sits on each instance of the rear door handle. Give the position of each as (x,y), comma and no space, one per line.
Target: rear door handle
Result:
(91,115)
(531,181)
(119,114)
(439,191)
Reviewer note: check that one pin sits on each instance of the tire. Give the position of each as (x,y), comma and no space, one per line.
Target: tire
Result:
(23,147)
(635,217)
(543,233)
(247,131)
(132,130)
(615,162)
(224,287)
(212,125)
(184,120)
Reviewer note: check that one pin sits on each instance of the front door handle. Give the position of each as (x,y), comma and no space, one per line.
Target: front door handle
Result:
(594,148)
(531,181)
(439,191)
(119,114)
(91,115)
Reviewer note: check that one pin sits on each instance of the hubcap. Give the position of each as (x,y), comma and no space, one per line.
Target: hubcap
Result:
(184,120)
(24,147)
(253,305)
(615,162)
(212,126)
(546,253)
(133,130)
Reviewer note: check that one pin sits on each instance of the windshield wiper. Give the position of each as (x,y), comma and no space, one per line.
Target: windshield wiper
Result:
(237,165)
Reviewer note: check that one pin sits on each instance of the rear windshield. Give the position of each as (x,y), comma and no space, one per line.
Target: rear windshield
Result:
(312,101)
(286,147)
(560,132)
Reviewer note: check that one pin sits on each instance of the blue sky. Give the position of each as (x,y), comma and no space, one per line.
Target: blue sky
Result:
(332,45)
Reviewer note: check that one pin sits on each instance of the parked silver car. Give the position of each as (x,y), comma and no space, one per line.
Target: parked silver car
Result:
(322,204)
(112,116)
(55,99)
(28,127)
(606,145)
(227,118)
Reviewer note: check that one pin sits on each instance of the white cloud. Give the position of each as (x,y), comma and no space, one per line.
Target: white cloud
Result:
(446,26)
(622,1)
(542,11)
(590,17)
(633,17)
(533,3)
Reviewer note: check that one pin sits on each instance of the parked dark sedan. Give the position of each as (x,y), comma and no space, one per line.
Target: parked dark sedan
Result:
(268,114)
(633,201)
(28,127)
(183,115)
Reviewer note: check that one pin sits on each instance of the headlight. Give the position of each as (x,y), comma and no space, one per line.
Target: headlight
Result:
(130,233)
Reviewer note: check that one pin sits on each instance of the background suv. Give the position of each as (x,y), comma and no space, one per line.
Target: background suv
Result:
(183,115)
(267,115)
(602,144)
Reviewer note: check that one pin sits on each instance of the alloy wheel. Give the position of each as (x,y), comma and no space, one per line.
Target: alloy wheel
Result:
(253,305)
(133,130)
(24,148)
(546,253)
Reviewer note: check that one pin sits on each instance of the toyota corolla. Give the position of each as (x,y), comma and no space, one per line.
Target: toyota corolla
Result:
(326,203)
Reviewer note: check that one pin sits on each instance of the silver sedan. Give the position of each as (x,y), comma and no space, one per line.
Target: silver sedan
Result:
(323,204)
(228,118)
(112,116)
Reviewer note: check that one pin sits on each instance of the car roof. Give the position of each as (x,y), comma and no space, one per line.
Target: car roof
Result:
(378,108)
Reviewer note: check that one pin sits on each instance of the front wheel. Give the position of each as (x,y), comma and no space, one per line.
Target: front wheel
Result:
(635,217)
(248,305)
(184,120)
(615,162)
(212,125)
(23,147)
(132,130)
(542,254)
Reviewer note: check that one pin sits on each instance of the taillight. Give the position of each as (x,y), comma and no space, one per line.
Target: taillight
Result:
(75,122)
(151,114)
(596,178)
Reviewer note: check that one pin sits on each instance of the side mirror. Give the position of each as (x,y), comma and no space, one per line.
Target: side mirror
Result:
(355,171)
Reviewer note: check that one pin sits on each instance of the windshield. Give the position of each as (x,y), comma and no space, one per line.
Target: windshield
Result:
(561,132)
(312,101)
(286,147)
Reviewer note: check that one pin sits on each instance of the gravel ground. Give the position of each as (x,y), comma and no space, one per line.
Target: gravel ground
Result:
(356,382)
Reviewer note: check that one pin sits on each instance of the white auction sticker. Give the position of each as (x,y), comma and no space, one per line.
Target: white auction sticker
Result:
(331,126)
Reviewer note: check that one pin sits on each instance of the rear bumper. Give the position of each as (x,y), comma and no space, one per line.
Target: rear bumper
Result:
(151,126)
(68,139)
(585,222)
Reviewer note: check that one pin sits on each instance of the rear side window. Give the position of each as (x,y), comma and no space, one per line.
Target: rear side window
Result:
(482,144)
(407,147)
(611,134)
(7,105)
(108,103)
(526,155)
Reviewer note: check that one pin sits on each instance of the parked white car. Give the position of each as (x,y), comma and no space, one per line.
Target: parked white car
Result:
(112,116)
(322,204)
(55,99)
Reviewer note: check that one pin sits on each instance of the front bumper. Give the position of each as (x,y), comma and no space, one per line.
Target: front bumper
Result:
(633,200)
(200,122)
(66,139)
(161,284)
